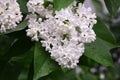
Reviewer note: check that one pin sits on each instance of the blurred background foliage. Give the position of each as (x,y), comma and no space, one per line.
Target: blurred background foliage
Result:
(22,59)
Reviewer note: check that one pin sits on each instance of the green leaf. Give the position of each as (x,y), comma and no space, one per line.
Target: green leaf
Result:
(11,71)
(112,6)
(5,43)
(99,50)
(103,32)
(89,77)
(59,4)
(98,6)
(43,65)
(20,26)
(23,75)
(17,48)
(86,61)
(59,74)
(116,31)
(23,6)
(26,61)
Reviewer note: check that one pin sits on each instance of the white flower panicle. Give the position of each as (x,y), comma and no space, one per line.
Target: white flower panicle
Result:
(63,34)
(10,14)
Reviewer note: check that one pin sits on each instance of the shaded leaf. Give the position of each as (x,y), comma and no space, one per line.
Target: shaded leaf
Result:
(81,1)
(116,31)
(26,61)
(11,71)
(5,43)
(23,6)
(59,74)
(89,77)
(112,6)
(87,61)
(43,65)
(17,48)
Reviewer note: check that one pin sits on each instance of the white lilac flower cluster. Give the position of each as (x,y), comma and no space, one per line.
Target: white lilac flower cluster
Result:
(10,14)
(62,33)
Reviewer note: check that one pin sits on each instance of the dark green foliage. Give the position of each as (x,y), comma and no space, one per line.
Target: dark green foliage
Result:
(112,6)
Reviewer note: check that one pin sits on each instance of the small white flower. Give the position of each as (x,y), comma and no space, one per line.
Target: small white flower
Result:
(33,32)
(88,36)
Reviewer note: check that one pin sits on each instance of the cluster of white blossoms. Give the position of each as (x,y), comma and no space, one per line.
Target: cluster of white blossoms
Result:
(10,14)
(37,6)
(62,33)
